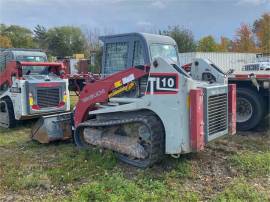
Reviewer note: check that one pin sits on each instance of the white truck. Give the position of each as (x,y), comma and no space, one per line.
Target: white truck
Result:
(30,86)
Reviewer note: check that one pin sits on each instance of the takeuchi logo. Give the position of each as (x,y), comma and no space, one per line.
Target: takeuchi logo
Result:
(94,95)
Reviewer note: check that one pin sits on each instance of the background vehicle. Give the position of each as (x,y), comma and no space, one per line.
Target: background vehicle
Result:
(30,86)
(77,72)
(253,97)
(257,66)
(253,91)
(152,108)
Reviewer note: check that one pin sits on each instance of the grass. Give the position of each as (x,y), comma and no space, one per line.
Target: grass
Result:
(117,188)
(252,163)
(56,165)
(182,169)
(241,190)
(60,172)
(13,136)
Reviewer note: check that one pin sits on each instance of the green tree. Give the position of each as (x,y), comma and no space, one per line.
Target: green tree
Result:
(3,27)
(20,37)
(183,37)
(207,44)
(65,41)
(261,28)
(40,36)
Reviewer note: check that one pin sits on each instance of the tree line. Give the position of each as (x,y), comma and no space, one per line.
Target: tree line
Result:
(68,40)
(248,39)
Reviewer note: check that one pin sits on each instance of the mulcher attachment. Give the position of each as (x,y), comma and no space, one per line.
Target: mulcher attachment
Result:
(52,128)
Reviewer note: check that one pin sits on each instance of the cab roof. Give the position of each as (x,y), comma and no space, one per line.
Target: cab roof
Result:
(23,52)
(149,38)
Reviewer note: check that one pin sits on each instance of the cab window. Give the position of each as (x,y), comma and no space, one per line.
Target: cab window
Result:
(164,50)
(138,57)
(116,57)
(30,58)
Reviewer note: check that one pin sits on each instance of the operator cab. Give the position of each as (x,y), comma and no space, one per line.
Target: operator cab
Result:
(134,49)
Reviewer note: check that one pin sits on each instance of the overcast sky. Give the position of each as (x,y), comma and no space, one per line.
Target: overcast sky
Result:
(203,17)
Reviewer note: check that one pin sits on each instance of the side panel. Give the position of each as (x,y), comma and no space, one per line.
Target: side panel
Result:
(19,100)
(232,109)
(173,109)
(196,120)
(17,95)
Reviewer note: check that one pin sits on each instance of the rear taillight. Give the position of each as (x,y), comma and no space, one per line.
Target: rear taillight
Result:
(61,104)
(35,107)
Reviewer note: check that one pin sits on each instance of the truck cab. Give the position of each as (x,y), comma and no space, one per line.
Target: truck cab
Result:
(30,86)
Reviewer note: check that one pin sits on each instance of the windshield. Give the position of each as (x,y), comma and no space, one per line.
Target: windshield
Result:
(164,50)
(39,70)
(31,58)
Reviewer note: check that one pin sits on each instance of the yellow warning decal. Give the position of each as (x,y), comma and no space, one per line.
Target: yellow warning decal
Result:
(125,88)
(31,101)
(117,84)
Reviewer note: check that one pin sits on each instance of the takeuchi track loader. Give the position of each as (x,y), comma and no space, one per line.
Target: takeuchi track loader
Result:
(152,108)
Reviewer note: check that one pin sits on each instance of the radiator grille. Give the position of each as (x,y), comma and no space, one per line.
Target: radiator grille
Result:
(217,113)
(48,97)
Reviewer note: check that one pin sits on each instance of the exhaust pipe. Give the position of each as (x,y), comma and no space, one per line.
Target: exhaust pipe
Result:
(122,144)
(52,128)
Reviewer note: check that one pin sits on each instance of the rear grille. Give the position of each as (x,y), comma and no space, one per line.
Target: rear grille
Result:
(217,113)
(48,97)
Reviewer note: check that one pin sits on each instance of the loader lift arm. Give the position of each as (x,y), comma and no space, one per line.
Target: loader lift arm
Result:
(98,92)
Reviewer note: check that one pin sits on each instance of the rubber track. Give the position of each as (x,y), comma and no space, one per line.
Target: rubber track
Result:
(157,149)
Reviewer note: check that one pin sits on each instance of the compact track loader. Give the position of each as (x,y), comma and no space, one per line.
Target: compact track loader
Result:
(154,107)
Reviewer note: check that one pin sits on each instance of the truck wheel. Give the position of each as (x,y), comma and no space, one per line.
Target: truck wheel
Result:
(7,119)
(250,109)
